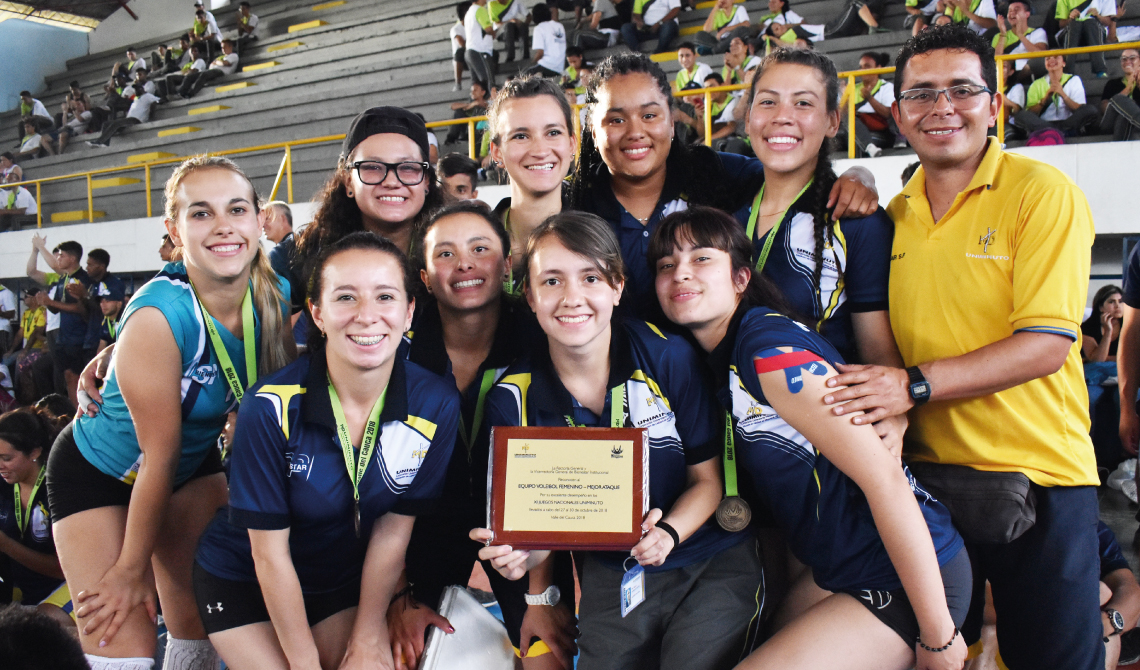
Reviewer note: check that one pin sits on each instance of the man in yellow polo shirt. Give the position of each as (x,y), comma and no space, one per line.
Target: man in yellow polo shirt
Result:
(989,277)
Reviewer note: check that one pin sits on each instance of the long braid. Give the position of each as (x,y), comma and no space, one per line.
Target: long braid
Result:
(821,221)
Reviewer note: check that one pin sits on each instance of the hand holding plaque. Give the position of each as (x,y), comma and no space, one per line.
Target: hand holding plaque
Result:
(567,488)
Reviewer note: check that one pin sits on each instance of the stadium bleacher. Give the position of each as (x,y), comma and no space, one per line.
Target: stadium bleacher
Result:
(314,68)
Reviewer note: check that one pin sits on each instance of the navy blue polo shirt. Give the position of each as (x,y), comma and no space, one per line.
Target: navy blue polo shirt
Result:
(37,536)
(108,285)
(855,275)
(823,512)
(640,293)
(72,327)
(287,470)
(666,393)
(1132,279)
(1111,557)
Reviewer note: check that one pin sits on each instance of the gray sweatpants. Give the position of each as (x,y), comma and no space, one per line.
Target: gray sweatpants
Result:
(693,618)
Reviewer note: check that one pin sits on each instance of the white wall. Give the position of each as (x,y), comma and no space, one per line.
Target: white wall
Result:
(156,18)
(30,51)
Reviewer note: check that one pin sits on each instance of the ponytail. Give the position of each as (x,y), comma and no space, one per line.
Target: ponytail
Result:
(823,225)
(268,300)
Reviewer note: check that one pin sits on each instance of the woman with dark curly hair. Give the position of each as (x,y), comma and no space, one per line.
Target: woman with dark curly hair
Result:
(383,183)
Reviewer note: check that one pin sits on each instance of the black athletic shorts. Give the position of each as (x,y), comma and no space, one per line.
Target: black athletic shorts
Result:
(73,359)
(75,485)
(224,604)
(459,55)
(894,609)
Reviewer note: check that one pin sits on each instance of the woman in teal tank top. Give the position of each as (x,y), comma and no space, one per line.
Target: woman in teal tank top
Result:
(133,487)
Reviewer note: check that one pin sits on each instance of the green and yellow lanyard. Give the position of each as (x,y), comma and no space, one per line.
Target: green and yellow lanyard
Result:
(22,520)
(469,437)
(112,326)
(617,409)
(224,361)
(367,445)
(755,214)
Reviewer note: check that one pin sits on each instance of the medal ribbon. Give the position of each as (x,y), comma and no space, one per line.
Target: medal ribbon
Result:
(617,409)
(112,325)
(224,362)
(730,489)
(367,442)
(760,262)
(477,420)
(21,520)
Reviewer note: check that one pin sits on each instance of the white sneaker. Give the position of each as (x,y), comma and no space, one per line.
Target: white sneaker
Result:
(455,88)
(873,151)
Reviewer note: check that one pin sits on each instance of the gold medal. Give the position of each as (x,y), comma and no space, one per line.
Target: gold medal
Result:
(733,514)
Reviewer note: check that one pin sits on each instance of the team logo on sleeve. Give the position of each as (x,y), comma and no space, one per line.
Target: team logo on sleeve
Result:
(204,374)
(795,364)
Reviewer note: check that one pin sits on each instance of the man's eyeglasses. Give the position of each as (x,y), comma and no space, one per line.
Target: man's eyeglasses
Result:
(919,99)
(1129,59)
(409,173)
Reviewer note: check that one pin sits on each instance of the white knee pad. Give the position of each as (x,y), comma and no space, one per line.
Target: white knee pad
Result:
(190,655)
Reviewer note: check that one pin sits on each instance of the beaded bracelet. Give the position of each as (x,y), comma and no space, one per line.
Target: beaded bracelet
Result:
(942,648)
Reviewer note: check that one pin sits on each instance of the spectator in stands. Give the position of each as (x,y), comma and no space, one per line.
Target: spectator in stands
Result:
(133,63)
(549,44)
(479,38)
(725,21)
(979,15)
(652,19)
(575,56)
(226,63)
(16,204)
(1016,37)
(1100,332)
(138,113)
(74,93)
(7,316)
(113,99)
(458,42)
(68,282)
(1056,100)
(723,106)
(28,343)
(278,221)
(204,32)
(873,99)
(919,14)
(691,68)
(31,108)
(509,20)
(476,105)
(458,177)
(193,65)
(1083,23)
(31,143)
(141,84)
(75,123)
(579,7)
(1120,100)
(112,297)
(8,167)
(1000,345)
(166,248)
(170,60)
(601,28)
(103,283)
(26,437)
(1013,103)
(942,20)
(780,11)
(248,27)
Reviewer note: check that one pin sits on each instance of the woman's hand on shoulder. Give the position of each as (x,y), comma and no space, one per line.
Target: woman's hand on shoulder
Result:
(510,563)
(854,194)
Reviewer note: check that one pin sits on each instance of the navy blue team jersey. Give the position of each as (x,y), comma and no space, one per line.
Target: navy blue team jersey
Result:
(823,512)
(1111,557)
(856,269)
(37,536)
(287,470)
(666,394)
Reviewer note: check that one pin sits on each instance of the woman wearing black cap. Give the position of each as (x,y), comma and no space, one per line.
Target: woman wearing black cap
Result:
(383,183)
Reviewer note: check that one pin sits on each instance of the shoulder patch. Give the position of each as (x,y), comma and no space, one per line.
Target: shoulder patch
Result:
(521,383)
(422,426)
(279,396)
(794,364)
(656,330)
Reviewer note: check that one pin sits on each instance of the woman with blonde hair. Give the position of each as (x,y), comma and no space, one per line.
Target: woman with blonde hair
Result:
(132,487)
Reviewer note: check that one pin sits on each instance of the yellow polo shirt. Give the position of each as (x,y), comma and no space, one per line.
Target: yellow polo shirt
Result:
(1012,253)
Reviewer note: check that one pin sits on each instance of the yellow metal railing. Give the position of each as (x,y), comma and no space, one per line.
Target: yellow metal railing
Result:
(1119,46)
(285,171)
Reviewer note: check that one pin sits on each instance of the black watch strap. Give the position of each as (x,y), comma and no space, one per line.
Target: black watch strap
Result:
(919,388)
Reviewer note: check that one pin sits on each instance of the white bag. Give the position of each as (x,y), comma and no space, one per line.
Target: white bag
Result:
(480,641)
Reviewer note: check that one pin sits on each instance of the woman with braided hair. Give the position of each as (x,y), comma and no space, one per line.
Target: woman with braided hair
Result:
(633,170)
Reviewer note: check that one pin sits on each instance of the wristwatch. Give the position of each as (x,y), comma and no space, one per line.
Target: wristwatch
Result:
(552,595)
(919,388)
(1116,620)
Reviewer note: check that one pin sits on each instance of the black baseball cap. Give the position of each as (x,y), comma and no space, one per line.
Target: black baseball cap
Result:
(385,120)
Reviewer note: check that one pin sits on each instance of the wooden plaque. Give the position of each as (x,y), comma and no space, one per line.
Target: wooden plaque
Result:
(567,488)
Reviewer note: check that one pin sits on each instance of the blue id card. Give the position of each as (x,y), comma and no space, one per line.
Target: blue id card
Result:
(632,589)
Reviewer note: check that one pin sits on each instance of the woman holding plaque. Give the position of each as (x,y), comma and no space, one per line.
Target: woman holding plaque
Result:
(599,370)
(467,331)
(132,488)
(898,577)
(302,569)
